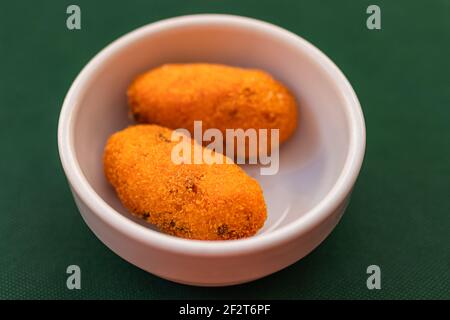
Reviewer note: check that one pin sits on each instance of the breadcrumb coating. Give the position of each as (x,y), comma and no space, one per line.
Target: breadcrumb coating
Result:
(195,201)
(222,97)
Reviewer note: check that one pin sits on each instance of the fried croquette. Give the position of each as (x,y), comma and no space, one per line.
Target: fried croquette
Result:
(222,97)
(195,201)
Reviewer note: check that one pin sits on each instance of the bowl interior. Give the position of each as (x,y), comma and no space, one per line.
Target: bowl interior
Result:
(310,162)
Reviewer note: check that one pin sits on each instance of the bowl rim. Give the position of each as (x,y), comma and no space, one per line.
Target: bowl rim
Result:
(341,188)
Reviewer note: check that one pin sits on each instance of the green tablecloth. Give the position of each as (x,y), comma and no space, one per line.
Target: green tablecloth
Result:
(399,214)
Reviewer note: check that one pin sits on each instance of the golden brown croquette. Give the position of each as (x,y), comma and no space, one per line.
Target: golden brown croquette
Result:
(222,97)
(195,201)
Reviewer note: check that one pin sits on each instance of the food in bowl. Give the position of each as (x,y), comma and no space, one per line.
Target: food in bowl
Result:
(215,200)
(195,201)
(305,200)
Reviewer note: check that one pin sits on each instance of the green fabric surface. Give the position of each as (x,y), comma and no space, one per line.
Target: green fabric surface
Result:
(399,214)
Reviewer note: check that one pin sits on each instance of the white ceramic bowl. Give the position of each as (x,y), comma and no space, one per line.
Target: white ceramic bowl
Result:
(318,166)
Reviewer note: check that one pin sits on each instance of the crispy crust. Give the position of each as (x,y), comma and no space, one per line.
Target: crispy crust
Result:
(223,97)
(195,201)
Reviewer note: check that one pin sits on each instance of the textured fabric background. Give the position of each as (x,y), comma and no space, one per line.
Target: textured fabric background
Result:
(398,217)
